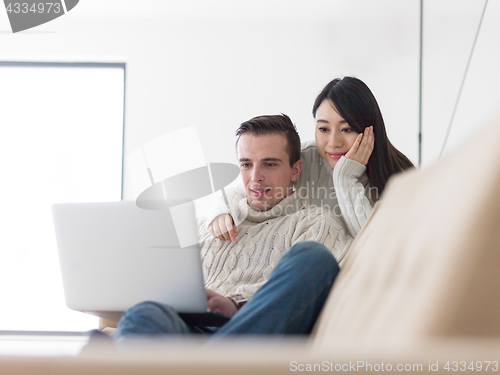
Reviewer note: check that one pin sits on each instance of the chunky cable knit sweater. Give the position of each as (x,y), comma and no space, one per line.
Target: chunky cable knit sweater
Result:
(241,267)
(344,189)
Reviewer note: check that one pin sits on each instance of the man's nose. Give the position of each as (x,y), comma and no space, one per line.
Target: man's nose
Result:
(257,175)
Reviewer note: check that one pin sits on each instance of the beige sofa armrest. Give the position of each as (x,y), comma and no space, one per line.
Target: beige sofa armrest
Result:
(263,357)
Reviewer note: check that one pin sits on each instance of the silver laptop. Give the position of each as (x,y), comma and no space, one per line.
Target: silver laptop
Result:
(114,255)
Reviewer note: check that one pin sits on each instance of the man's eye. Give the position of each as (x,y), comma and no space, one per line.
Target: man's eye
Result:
(271,164)
(245,165)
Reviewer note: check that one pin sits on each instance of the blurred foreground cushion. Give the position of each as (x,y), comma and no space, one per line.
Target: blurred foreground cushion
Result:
(427,263)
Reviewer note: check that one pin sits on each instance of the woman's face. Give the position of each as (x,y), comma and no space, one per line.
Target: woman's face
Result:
(334,136)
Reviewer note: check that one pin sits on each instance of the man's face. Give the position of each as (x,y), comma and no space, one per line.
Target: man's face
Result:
(265,169)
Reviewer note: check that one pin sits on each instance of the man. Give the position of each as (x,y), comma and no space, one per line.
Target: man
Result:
(285,290)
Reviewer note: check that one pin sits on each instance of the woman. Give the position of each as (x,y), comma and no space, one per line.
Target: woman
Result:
(345,169)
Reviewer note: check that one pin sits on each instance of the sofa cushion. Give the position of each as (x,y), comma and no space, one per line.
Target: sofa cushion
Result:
(427,262)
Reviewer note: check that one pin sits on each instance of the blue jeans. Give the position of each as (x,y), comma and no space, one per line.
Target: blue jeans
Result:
(289,303)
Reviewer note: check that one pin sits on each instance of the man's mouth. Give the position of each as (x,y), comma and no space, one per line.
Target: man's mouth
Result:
(259,192)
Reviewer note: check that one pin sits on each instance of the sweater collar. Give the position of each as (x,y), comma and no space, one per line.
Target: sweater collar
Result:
(286,206)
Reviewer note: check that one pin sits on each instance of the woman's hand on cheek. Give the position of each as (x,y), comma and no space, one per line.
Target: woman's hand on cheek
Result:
(362,147)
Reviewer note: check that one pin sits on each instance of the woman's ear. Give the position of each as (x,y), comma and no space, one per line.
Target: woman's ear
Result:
(297,168)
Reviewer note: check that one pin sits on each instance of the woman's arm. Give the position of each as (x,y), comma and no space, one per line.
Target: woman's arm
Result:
(224,214)
(352,190)
(351,183)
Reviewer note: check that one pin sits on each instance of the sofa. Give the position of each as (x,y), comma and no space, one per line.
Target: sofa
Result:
(419,291)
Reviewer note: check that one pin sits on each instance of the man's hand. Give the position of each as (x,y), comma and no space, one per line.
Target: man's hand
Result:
(362,147)
(220,303)
(223,228)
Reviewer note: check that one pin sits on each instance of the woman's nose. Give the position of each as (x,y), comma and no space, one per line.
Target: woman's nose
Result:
(335,140)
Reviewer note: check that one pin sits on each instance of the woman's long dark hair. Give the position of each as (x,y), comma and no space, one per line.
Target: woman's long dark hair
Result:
(356,104)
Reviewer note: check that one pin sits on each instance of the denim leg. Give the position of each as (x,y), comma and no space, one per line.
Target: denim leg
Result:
(149,319)
(292,298)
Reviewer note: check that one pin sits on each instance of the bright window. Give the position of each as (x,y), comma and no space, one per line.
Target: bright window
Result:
(61,140)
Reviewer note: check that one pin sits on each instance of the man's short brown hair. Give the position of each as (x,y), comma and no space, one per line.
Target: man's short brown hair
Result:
(274,124)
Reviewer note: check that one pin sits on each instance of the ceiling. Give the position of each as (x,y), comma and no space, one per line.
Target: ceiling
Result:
(244,9)
(272,9)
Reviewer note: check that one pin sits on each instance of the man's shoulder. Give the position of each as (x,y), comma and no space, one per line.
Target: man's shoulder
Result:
(320,215)
(313,211)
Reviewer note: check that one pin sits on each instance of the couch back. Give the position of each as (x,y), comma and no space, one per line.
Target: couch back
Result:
(427,263)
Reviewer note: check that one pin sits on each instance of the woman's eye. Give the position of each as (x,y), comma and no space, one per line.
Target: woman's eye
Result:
(347,130)
(323,130)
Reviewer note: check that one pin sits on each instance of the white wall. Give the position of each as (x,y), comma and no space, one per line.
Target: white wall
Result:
(216,64)
(216,72)
(449,31)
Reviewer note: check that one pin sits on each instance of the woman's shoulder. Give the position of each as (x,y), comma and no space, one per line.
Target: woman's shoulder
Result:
(308,146)
(308,151)
(313,168)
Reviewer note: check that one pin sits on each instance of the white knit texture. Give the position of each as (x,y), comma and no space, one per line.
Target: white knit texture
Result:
(241,267)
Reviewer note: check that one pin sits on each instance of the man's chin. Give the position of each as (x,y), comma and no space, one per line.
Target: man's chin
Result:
(261,206)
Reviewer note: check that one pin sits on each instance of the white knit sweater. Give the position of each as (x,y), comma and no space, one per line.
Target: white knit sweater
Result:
(241,267)
(344,189)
